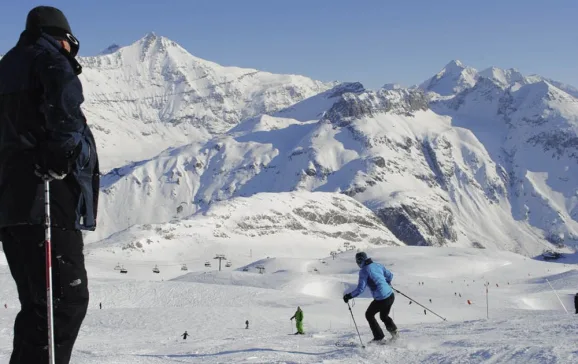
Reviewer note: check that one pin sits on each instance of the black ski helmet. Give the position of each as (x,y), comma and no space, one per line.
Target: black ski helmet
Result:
(360,258)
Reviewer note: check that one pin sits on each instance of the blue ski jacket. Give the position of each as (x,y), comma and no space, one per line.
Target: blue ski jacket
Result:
(377,277)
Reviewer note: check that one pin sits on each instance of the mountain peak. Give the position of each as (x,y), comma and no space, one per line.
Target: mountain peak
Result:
(455,64)
(504,77)
(453,78)
(150,35)
(110,49)
(392,86)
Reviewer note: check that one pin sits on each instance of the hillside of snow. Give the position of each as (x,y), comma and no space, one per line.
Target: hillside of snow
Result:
(469,158)
(529,128)
(153,94)
(143,314)
(489,167)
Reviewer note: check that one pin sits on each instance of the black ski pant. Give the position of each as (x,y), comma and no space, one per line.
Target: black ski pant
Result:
(383,307)
(25,253)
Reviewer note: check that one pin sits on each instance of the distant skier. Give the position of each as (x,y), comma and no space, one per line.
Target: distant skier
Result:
(185,335)
(576,303)
(378,278)
(100,305)
(298,321)
(247,325)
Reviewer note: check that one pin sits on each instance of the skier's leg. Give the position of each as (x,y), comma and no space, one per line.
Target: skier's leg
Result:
(21,262)
(72,297)
(384,313)
(372,310)
(300,327)
(69,289)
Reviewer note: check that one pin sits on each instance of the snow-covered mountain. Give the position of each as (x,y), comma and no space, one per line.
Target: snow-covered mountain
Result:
(454,77)
(470,158)
(488,166)
(153,94)
(529,127)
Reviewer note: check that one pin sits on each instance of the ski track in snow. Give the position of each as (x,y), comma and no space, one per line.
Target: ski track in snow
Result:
(143,314)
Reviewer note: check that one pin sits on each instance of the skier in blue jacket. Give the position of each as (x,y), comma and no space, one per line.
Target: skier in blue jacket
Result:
(378,278)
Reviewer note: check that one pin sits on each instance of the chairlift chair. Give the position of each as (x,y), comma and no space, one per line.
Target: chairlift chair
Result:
(123,271)
(228,264)
(184,267)
(156,269)
(207,264)
(117,267)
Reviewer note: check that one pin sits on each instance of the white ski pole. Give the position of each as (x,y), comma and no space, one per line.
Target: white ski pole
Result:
(48,247)
(564,307)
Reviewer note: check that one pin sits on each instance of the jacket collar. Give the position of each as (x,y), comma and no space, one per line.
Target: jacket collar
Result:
(368,261)
(30,37)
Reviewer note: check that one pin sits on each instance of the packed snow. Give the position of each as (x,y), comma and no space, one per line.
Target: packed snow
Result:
(144,313)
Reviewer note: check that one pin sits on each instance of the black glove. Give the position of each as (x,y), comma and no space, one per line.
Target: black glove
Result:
(49,165)
(347,297)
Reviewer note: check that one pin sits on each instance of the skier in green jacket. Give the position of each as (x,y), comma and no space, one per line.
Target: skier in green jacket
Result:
(298,321)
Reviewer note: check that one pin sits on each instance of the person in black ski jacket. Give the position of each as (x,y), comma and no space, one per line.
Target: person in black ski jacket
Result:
(576,303)
(44,136)
(185,335)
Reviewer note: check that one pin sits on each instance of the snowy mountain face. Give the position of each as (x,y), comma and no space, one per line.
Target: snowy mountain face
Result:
(430,177)
(529,129)
(484,159)
(454,77)
(153,94)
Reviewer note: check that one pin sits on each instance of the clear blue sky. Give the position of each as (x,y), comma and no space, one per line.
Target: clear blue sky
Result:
(372,41)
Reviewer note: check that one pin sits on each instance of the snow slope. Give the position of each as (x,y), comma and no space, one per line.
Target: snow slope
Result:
(427,175)
(153,94)
(144,313)
(529,128)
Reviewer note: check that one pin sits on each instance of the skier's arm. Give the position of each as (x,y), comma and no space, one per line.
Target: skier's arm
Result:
(363,274)
(388,276)
(64,121)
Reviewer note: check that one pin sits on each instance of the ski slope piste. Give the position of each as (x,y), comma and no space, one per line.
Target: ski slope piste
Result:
(144,314)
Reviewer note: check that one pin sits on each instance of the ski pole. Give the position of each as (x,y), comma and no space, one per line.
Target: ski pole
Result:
(411,299)
(48,247)
(363,346)
(556,293)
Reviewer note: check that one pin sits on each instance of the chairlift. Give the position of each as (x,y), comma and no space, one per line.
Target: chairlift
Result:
(117,267)
(228,264)
(123,271)
(156,269)
(184,267)
(207,264)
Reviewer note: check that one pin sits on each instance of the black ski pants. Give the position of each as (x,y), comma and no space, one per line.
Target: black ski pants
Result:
(383,307)
(25,253)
